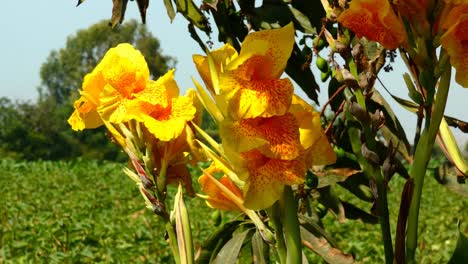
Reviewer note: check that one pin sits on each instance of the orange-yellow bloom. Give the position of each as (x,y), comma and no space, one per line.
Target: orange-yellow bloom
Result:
(455,41)
(121,73)
(375,20)
(249,82)
(160,108)
(317,149)
(215,196)
(267,178)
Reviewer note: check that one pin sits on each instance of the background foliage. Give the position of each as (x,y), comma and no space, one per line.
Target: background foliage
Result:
(89,211)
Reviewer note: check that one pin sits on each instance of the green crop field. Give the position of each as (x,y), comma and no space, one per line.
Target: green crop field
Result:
(88,212)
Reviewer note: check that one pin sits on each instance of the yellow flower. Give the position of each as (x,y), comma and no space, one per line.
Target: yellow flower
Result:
(375,20)
(276,136)
(121,73)
(160,108)
(221,57)
(249,82)
(267,178)
(455,41)
(269,153)
(317,149)
(216,197)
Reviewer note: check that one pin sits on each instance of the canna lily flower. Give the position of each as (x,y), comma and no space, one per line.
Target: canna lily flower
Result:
(317,149)
(249,82)
(160,108)
(215,196)
(275,137)
(276,151)
(455,41)
(221,58)
(267,178)
(375,20)
(416,12)
(121,73)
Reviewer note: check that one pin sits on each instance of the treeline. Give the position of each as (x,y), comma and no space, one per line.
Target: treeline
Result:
(38,129)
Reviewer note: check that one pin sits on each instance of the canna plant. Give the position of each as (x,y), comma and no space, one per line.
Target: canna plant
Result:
(278,161)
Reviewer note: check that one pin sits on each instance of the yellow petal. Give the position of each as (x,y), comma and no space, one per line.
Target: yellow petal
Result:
(125,68)
(276,137)
(274,46)
(267,178)
(221,57)
(255,98)
(80,121)
(317,148)
(164,123)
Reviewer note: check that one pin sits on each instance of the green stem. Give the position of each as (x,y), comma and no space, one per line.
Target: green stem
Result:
(372,172)
(274,213)
(421,159)
(173,242)
(292,233)
(384,219)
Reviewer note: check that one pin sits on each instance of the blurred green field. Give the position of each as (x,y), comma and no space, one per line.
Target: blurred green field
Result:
(88,212)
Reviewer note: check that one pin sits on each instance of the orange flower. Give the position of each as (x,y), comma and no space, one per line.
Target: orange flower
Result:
(217,197)
(416,12)
(375,20)
(455,41)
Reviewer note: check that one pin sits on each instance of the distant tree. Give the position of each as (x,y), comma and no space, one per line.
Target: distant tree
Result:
(63,72)
(39,130)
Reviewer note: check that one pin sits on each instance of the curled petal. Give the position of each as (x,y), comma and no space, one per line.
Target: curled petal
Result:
(313,139)
(455,42)
(274,46)
(222,57)
(216,197)
(375,20)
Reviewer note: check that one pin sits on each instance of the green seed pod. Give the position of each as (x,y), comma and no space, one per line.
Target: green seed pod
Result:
(322,64)
(321,210)
(216,217)
(325,75)
(319,43)
(311,180)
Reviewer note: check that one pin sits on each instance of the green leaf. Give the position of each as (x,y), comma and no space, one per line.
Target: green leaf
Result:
(193,14)
(303,21)
(213,243)
(170,9)
(323,248)
(142,6)
(118,12)
(329,198)
(260,249)
(228,254)
(460,255)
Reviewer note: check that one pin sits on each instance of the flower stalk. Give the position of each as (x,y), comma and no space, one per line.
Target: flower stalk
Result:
(421,159)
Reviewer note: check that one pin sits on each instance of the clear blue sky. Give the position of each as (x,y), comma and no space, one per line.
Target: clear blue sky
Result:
(30,31)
